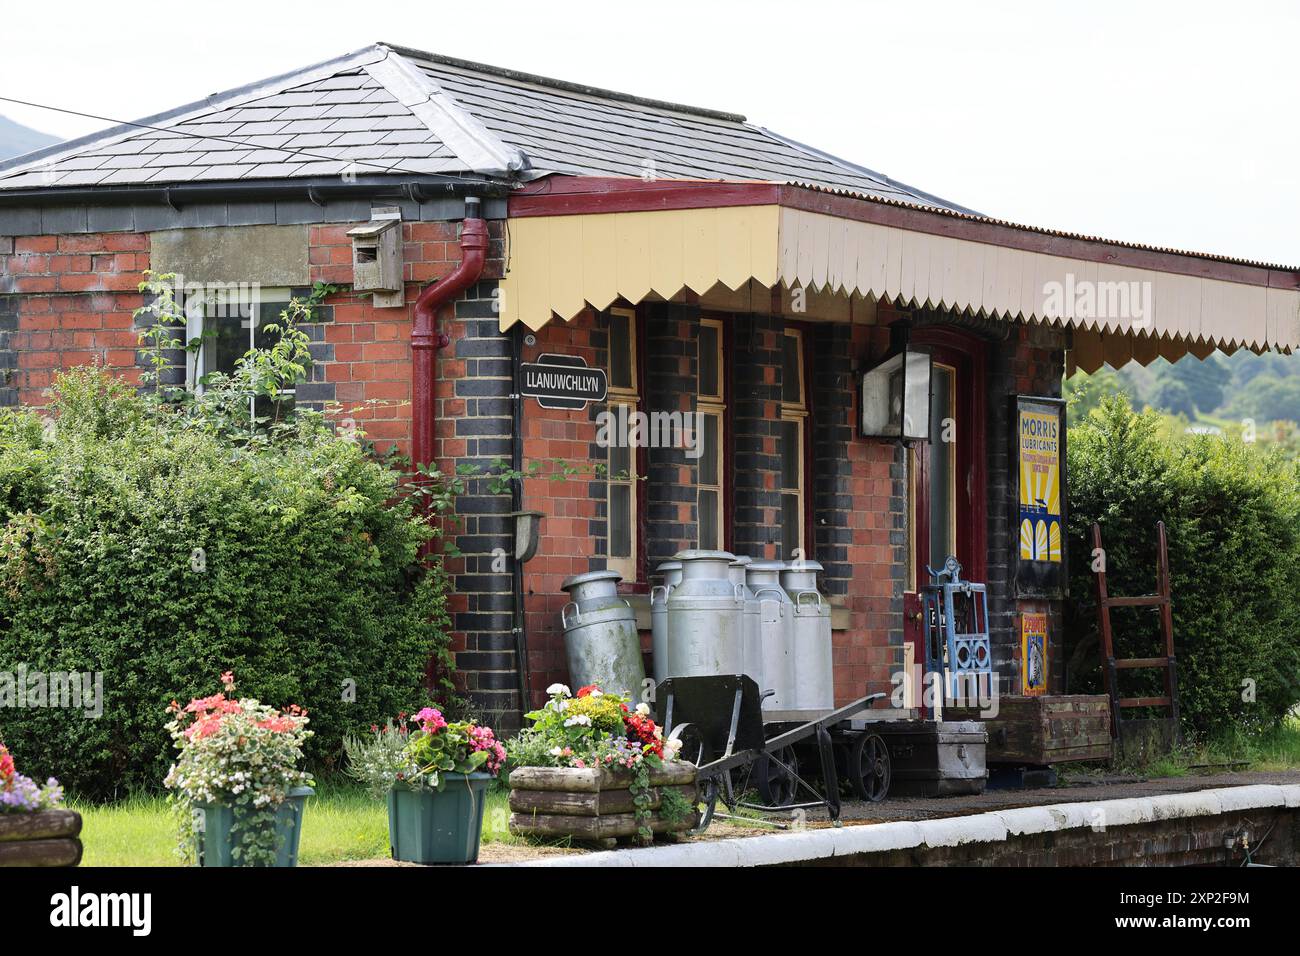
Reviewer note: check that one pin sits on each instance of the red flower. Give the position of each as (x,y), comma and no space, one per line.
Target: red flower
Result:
(644,729)
(586,691)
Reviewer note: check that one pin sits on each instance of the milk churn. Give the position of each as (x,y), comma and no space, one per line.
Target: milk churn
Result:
(751,647)
(705,617)
(814,681)
(600,637)
(776,632)
(672,576)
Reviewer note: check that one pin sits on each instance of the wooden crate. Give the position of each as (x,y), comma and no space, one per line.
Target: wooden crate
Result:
(48,838)
(593,805)
(1045,730)
(932,758)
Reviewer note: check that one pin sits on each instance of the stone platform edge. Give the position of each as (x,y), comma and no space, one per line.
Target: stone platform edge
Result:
(827,843)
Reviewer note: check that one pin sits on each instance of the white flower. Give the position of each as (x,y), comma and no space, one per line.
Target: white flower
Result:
(643,709)
(582,720)
(597,693)
(558,689)
(556,751)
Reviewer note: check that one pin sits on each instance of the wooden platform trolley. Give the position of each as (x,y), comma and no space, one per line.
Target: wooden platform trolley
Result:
(736,746)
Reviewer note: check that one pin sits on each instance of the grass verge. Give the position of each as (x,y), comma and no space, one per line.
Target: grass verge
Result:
(340,824)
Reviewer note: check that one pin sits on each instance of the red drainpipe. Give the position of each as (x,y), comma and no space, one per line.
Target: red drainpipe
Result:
(427,340)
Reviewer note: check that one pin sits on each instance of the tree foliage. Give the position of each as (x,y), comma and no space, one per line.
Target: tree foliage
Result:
(1232,515)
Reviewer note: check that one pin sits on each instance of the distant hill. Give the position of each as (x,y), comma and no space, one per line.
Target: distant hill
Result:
(16,139)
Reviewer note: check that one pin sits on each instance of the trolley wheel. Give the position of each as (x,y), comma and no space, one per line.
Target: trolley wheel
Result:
(777,777)
(695,749)
(870,768)
(709,797)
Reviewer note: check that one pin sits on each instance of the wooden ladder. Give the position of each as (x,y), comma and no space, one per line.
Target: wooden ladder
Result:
(1162,600)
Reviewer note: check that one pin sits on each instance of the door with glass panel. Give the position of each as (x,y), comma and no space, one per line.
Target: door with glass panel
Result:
(945,481)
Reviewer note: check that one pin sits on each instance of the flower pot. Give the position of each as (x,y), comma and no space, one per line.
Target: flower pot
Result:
(216,841)
(438,826)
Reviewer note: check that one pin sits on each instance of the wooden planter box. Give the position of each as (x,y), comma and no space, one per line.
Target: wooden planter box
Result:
(593,806)
(1045,730)
(49,838)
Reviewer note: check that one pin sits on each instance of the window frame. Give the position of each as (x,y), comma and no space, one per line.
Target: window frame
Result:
(197,319)
(800,413)
(632,566)
(714,404)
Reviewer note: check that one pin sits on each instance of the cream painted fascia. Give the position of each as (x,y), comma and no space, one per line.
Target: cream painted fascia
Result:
(561,264)
(558,265)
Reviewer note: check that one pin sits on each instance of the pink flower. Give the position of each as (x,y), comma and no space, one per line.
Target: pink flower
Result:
(278,724)
(7,768)
(430,720)
(204,727)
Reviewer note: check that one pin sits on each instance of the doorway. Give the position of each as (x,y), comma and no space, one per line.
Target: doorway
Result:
(945,479)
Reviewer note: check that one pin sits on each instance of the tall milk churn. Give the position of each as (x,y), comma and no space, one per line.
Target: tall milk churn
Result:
(672,576)
(814,680)
(705,614)
(600,637)
(751,647)
(776,632)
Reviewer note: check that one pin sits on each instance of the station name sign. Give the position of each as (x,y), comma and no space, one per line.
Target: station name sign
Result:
(562,381)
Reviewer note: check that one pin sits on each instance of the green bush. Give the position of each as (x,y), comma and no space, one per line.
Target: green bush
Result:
(137,543)
(1232,515)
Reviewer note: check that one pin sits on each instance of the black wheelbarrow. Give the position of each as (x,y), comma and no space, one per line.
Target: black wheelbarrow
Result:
(722,729)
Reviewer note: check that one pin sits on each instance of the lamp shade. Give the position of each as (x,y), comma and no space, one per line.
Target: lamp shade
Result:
(896,397)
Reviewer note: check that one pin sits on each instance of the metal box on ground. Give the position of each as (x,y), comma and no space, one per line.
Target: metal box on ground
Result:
(935,758)
(1038,731)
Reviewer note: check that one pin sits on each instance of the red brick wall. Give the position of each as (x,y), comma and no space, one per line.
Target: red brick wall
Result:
(76,294)
(572,539)
(371,365)
(573,530)
(74,297)
(864,656)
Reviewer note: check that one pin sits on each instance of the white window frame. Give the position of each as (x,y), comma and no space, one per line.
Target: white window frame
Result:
(196,320)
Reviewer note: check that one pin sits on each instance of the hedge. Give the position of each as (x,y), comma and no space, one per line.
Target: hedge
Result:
(1232,515)
(135,544)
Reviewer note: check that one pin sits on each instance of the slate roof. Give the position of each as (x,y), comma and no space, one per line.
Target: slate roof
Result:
(390,110)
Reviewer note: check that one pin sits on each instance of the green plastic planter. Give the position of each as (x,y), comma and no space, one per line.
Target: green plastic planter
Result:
(438,826)
(215,842)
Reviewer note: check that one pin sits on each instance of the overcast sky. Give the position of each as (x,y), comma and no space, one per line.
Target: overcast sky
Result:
(1170,124)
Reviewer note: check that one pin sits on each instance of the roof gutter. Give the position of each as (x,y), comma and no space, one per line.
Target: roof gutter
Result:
(317,189)
(427,339)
